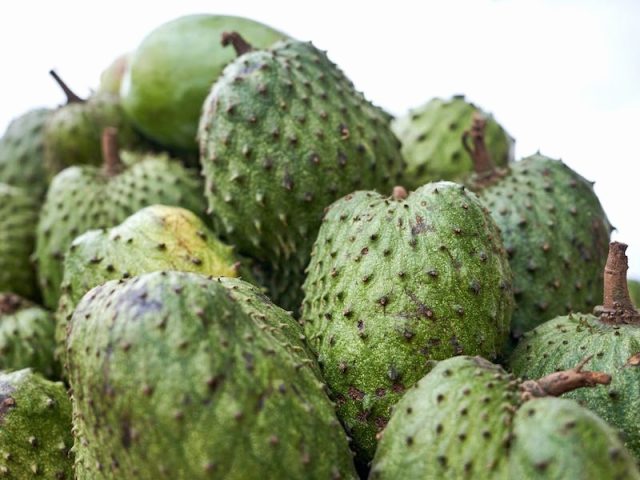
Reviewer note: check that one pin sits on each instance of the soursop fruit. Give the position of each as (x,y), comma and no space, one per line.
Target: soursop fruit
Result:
(155,238)
(220,389)
(611,335)
(553,227)
(634,291)
(72,134)
(35,432)
(283,134)
(26,336)
(22,153)
(18,217)
(111,77)
(431,141)
(171,72)
(468,418)
(83,198)
(395,282)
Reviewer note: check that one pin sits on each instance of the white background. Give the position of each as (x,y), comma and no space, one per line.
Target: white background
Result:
(562,76)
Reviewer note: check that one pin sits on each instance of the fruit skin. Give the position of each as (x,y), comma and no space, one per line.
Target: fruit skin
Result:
(22,153)
(466,419)
(111,77)
(393,284)
(72,133)
(218,390)
(558,342)
(634,291)
(35,434)
(86,198)
(431,137)
(18,217)
(154,238)
(282,135)
(174,67)
(26,336)
(556,234)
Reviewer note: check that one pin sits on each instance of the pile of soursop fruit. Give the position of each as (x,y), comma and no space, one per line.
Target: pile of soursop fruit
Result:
(227,263)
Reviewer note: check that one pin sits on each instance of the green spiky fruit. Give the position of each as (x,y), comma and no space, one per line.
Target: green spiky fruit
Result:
(22,153)
(394,282)
(612,336)
(155,238)
(468,418)
(111,77)
(18,217)
(72,133)
(219,389)
(26,336)
(174,67)
(431,137)
(86,198)
(283,134)
(35,432)
(553,227)
(634,291)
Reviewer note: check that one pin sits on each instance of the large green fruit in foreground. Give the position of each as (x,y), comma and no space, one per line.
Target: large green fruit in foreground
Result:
(26,336)
(612,337)
(174,67)
(395,282)
(18,217)
(155,238)
(283,134)
(431,137)
(555,231)
(219,388)
(86,198)
(22,153)
(35,432)
(72,135)
(468,418)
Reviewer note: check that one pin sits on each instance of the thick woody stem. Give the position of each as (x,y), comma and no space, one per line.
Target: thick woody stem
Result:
(617,308)
(71,96)
(240,45)
(482,163)
(399,193)
(110,152)
(557,383)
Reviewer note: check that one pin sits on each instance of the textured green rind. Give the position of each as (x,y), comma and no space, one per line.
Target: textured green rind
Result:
(73,132)
(282,135)
(155,238)
(454,424)
(392,284)
(18,217)
(555,439)
(173,69)
(465,420)
(216,392)
(111,77)
(634,291)
(557,237)
(84,198)
(431,137)
(22,153)
(564,341)
(35,432)
(26,336)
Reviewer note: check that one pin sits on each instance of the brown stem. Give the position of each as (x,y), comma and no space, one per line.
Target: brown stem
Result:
(71,96)
(110,152)
(399,193)
(10,303)
(482,163)
(557,383)
(240,45)
(617,308)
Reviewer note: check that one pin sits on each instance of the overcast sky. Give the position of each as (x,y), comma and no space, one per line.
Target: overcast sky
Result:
(562,76)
